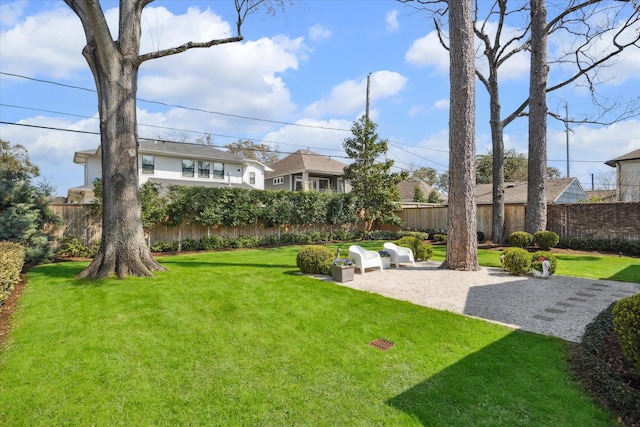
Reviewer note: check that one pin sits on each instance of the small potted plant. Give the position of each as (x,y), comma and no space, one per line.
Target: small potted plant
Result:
(342,269)
(385,256)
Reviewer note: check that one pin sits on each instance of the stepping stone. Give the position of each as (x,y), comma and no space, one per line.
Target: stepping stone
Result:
(545,318)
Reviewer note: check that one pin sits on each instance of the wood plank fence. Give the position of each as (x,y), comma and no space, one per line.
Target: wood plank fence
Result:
(582,221)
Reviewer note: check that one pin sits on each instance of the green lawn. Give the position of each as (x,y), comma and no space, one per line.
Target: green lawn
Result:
(238,338)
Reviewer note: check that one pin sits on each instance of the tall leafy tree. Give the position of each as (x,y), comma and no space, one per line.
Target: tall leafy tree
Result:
(462,240)
(114,64)
(428,175)
(374,185)
(25,216)
(516,167)
(250,150)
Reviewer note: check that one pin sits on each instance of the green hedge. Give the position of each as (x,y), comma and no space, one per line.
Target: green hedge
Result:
(626,322)
(620,246)
(11,262)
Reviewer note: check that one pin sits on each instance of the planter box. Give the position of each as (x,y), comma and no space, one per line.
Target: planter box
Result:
(386,262)
(342,274)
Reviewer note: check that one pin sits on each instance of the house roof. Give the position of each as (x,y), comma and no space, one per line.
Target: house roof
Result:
(516,192)
(634,155)
(306,160)
(176,149)
(166,183)
(187,149)
(407,189)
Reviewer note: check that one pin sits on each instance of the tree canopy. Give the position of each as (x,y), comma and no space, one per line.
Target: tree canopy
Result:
(250,150)
(374,185)
(515,167)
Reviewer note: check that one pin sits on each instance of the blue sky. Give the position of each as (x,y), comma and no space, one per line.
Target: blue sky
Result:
(298,80)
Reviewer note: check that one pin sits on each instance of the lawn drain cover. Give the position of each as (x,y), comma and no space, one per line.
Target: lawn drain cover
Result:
(381,344)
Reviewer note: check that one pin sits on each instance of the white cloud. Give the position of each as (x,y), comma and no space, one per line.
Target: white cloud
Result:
(319,32)
(391,19)
(49,43)
(321,136)
(427,51)
(350,96)
(441,104)
(11,12)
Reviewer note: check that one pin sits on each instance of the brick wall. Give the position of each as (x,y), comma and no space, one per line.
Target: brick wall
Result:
(595,220)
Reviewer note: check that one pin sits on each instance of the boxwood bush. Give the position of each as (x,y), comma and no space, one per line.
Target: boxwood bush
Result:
(520,239)
(12,257)
(516,261)
(313,259)
(419,249)
(626,323)
(546,240)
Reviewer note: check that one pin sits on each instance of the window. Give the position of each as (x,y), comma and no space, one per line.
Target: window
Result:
(218,170)
(148,163)
(204,169)
(252,178)
(278,181)
(187,168)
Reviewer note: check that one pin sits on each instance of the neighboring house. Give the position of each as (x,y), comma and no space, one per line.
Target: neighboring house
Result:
(305,170)
(627,176)
(408,190)
(560,191)
(172,163)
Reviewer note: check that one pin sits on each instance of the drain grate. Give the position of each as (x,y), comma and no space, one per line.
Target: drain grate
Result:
(381,344)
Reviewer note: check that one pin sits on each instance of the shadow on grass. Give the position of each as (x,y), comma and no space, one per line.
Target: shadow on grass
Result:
(517,380)
(628,274)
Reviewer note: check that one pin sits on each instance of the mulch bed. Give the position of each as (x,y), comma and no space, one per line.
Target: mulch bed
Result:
(8,307)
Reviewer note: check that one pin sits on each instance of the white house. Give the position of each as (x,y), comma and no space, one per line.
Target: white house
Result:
(172,163)
(627,176)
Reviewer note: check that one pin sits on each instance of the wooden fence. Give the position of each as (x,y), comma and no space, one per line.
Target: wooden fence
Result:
(582,220)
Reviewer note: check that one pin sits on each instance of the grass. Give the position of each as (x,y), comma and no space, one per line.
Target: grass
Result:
(238,338)
(620,268)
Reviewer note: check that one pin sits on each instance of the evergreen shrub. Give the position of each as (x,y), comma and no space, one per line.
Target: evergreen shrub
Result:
(626,323)
(439,237)
(521,239)
(517,261)
(419,234)
(12,256)
(546,240)
(419,249)
(480,236)
(312,259)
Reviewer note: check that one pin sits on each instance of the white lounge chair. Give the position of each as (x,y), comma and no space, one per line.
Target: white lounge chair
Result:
(399,254)
(364,258)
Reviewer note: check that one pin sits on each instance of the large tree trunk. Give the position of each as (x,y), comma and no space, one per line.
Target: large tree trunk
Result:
(497,215)
(462,238)
(536,215)
(123,250)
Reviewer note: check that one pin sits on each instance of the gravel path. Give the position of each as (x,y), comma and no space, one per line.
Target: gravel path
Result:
(560,306)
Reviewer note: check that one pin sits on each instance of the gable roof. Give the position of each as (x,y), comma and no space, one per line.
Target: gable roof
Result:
(634,155)
(306,160)
(407,189)
(516,192)
(187,149)
(174,149)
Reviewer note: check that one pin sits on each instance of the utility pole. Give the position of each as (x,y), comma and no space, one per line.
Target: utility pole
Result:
(566,128)
(366,113)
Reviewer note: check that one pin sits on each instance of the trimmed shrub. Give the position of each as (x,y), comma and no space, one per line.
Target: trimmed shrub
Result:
(439,237)
(419,234)
(312,259)
(606,381)
(383,235)
(546,255)
(12,257)
(517,261)
(480,236)
(521,239)
(419,249)
(626,323)
(546,240)
(71,246)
